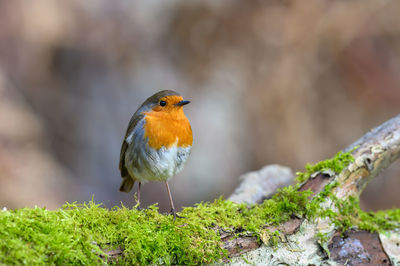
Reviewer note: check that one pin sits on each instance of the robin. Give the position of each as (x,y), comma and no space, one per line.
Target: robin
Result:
(157,142)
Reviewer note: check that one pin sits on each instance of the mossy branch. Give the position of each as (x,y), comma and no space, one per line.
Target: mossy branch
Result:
(310,222)
(334,219)
(334,211)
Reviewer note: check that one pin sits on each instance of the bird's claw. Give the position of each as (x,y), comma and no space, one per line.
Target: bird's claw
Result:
(173,212)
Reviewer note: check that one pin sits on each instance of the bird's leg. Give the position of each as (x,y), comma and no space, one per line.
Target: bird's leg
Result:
(172,203)
(138,196)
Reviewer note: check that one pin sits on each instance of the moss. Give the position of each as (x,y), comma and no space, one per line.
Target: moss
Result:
(33,236)
(78,233)
(340,161)
(348,214)
(323,239)
(351,215)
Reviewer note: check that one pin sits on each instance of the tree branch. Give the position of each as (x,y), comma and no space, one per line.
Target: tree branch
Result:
(373,152)
(376,150)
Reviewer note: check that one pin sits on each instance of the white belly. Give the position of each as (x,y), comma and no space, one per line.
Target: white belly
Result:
(149,164)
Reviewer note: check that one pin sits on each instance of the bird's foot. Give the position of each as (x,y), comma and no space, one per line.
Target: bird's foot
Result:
(173,212)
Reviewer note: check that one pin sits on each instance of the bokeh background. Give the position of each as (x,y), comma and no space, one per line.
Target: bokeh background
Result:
(285,82)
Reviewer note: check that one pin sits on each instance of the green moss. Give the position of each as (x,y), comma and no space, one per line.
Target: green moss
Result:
(79,233)
(351,215)
(76,233)
(32,236)
(323,239)
(340,161)
(348,214)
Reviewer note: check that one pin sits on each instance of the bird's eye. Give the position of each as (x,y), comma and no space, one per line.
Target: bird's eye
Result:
(163,103)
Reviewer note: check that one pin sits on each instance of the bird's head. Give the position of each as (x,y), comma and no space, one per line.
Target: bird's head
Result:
(167,102)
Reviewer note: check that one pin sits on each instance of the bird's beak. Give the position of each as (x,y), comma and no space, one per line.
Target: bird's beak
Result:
(182,103)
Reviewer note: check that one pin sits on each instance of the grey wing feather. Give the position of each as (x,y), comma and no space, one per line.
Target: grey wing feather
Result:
(132,124)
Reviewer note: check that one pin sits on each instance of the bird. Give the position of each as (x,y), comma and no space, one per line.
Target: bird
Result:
(157,143)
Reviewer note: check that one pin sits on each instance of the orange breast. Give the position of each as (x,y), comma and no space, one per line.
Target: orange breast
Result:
(165,128)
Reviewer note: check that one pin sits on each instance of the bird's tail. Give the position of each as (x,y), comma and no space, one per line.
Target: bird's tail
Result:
(127,184)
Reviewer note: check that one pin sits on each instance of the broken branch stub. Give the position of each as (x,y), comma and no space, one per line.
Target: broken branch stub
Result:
(373,152)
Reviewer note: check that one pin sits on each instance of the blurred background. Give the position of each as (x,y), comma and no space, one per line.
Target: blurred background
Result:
(285,82)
